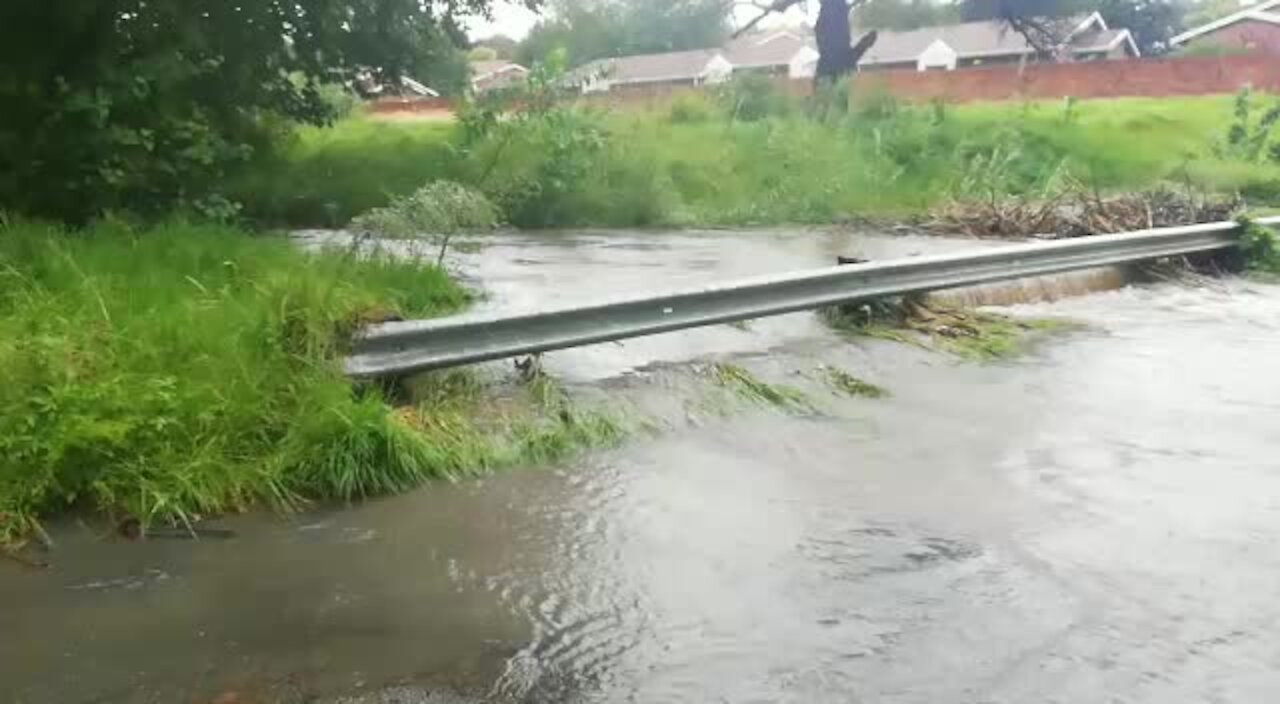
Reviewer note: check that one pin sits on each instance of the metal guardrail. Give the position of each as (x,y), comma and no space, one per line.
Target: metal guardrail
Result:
(398,348)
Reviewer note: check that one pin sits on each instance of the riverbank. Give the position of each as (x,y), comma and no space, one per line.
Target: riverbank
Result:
(694,166)
(168,373)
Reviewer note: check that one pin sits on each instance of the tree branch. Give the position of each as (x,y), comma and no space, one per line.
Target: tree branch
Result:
(766,9)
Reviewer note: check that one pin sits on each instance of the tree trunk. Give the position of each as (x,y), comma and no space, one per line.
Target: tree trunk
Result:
(838,56)
(835,42)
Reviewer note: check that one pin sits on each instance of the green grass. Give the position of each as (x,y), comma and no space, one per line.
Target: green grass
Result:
(174,372)
(325,176)
(654,170)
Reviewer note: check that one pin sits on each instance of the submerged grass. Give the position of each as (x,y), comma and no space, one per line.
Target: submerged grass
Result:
(849,385)
(970,334)
(747,386)
(169,373)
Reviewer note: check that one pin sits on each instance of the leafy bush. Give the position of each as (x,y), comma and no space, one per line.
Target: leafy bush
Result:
(1260,247)
(438,208)
(183,370)
(1247,139)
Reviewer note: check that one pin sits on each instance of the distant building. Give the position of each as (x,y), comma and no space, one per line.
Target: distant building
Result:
(677,68)
(494,75)
(792,54)
(404,87)
(1254,29)
(785,53)
(949,47)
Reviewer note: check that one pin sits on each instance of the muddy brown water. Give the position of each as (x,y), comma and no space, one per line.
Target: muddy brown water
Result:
(1095,521)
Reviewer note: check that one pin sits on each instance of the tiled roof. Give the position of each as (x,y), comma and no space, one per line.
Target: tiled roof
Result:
(672,66)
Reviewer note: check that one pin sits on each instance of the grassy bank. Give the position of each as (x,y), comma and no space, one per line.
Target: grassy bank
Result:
(693,165)
(177,371)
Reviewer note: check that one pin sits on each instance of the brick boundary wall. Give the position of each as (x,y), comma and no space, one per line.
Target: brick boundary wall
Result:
(1181,76)
(393,105)
(1178,76)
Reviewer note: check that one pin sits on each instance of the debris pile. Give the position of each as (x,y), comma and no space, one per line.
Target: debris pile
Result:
(1076,211)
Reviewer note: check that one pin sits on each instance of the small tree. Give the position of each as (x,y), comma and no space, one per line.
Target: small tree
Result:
(440,209)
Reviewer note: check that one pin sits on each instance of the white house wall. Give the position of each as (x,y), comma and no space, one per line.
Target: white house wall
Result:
(804,64)
(718,70)
(937,55)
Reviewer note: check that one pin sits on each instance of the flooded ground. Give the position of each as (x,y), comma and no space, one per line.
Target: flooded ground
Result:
(1095,521)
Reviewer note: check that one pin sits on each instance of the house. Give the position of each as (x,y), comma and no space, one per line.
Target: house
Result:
(949,47)
(369,86)
(677,68)
(495,75)
(1254,29)
(785,53)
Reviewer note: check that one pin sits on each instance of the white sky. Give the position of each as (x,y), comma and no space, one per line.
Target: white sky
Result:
(515,21)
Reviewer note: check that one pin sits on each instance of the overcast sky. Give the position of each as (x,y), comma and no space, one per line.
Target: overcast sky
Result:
(515,21)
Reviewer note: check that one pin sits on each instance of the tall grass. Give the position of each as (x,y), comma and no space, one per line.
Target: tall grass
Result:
(181,370)
(668,168)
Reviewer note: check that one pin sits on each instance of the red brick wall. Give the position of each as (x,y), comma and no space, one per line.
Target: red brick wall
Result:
(1198,75)
(1250,34)
(1098,79)
(385,105)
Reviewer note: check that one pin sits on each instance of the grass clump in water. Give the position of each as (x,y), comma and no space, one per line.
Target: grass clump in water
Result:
(845,383)
(172,372)
(747,386)
(970,334)
(475,427)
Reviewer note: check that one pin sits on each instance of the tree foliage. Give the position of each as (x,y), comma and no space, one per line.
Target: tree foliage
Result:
(503,47)
(1045,22)
(593,29)
(144,104)
(902,15)
(1153,22)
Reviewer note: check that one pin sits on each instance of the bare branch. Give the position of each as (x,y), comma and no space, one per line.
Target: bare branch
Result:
(766,9)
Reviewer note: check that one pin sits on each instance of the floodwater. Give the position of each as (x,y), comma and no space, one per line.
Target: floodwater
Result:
(1096,521)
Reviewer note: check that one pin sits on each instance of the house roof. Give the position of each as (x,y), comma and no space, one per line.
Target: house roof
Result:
(647,68)
(990,38)
(766,49)
(1262,12)
(483,69)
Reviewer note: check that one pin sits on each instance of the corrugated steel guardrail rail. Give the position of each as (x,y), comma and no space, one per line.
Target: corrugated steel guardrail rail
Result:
(397,348)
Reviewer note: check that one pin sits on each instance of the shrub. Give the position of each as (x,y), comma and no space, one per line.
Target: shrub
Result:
(438,208)
(1248,139)
(1260,247)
